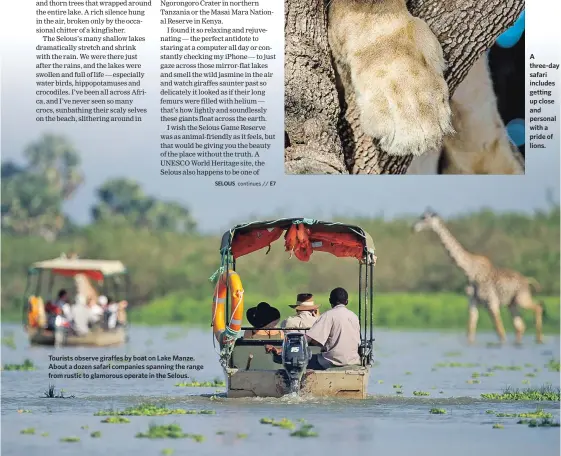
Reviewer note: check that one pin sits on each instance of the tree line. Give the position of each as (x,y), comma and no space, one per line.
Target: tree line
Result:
(33,195)
(158,241)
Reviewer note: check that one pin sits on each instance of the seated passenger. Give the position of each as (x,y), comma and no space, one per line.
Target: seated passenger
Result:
(110,312)
(261,317)
(81,316)
(122,313)
(337,331)
(306,314)
(96,310)
(59,307)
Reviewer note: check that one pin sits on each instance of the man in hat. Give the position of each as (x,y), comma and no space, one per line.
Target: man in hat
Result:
(306,314)
(264,319)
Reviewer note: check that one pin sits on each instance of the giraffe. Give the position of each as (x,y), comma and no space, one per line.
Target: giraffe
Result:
(85,288)
(489,287)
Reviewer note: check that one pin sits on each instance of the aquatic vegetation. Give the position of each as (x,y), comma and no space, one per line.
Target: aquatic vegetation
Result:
(197,437)
(397,386)
(399,392)
(544,422)
(95,434)
(380,382)
(85,426)
(437,411)
(27,365)
(168,431)
(51,393)
(553,365)
(304,431)
(456,364)
(70,439)
(487,374)
(284,423)
(506,368)
(453,353)
(24,411)
(45,434)
(530,374)
(116,420)
(475,375)
(408,373)
(152,410)
(498,426)
(489,412)
(220,432)
(167,451)
(528,365)
(28,431)
(241,436)
(545,393)
(525,382)
(421,393)
(216,383)
(538,413)
(473,381)
(9,341)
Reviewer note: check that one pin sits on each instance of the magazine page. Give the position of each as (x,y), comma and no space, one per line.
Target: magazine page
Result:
(201,255)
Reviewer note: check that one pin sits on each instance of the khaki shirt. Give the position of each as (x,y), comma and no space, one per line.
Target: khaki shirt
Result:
(304,320)
(338,331)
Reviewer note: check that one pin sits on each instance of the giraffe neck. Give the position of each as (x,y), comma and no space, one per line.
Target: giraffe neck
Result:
(459,255)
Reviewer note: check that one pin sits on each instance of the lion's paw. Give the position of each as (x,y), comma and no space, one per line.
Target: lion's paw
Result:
(396,70)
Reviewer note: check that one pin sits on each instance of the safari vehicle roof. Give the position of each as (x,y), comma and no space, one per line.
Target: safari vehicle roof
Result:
(96,269)
(334,232)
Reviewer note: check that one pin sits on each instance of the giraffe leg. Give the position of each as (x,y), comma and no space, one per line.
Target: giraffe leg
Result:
(517,322)
(495,313)
(524,300)
(472,320)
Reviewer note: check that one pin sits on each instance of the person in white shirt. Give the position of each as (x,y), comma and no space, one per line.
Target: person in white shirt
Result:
(81,316)
(96,308)
(112,309)
(306,314)
(62,304)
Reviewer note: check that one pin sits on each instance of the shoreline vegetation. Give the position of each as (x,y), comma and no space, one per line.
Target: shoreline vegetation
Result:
(416,285)
(422,311)
(400,311)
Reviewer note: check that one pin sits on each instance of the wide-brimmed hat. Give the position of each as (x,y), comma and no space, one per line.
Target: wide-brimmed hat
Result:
(262,315)
(305,301)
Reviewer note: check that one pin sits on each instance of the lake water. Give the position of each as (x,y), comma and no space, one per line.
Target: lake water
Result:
(384,424)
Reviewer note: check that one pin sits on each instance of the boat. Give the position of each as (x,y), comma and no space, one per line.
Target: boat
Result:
(95,338)
(275,368)
(112,279)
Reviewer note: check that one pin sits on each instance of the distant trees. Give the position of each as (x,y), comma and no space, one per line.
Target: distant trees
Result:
(124,201)
(33,194)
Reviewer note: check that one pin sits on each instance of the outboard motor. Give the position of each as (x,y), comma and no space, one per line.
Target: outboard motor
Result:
(295,357)
(365,353)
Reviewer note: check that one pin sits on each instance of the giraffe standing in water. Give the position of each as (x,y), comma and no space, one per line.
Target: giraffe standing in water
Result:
(489,287)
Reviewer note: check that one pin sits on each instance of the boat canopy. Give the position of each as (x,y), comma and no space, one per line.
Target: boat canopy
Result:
(302,237)
(94,269)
